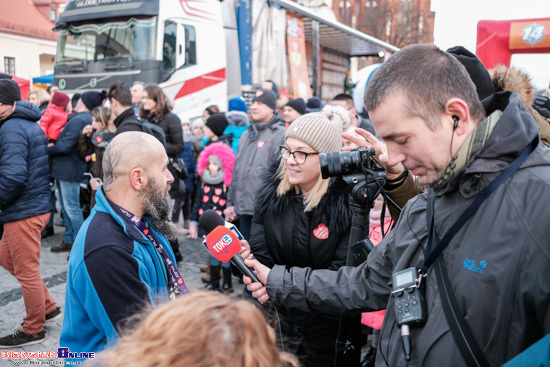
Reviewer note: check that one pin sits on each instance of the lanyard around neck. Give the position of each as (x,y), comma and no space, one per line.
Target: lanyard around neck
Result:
(177,282)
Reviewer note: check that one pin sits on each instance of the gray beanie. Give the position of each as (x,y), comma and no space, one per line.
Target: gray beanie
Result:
(322,131)
(197,123)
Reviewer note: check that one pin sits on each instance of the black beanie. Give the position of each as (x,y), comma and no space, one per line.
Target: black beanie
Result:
(298,104)
(267,97)
(93,99)
(9,92)
(217,123)
(477,71)
(5,76)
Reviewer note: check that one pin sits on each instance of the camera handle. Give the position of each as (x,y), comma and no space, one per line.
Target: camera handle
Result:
(359,247)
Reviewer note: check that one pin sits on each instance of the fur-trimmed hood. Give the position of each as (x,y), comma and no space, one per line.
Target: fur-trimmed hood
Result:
(515,80)
(333,208)
(226,155)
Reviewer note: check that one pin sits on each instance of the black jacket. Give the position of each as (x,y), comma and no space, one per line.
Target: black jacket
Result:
(283,234)
(24,170)
(128,117)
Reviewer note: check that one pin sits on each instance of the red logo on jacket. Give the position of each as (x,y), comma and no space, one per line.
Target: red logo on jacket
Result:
(321,232)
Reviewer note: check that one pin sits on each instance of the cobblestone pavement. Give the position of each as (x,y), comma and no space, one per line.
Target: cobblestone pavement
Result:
(53,268)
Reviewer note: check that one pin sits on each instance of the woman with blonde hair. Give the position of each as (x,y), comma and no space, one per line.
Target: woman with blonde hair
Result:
(201,329)
(303,220)
(40,98)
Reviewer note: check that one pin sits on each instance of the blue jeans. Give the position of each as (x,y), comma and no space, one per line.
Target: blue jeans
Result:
(216,262)
(69,195)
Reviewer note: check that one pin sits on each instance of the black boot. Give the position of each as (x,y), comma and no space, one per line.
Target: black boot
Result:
(176,248)
(369,359)
(47,232)
(214,283)
(227,287)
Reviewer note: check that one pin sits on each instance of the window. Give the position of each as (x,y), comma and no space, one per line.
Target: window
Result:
(345,11)
(53,15)
(179,46)
(421,23)
(370,13)
(9,65)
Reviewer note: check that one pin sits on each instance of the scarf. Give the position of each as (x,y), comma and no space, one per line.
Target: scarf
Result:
(471,146)
(213,178)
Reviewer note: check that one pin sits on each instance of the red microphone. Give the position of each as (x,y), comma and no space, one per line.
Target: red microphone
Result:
(224,245)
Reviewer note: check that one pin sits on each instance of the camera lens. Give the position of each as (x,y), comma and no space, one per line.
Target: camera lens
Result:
(339,163)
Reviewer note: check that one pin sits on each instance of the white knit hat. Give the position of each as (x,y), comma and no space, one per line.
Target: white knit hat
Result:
(320,130)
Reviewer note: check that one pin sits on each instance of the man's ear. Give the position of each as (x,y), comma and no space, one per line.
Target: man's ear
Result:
(458,115)
(138,179)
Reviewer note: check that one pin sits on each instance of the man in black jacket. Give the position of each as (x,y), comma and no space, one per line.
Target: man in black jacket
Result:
(24,209)
(120,102)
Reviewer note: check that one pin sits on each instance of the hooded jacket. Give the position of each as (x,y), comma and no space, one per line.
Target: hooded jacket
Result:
(283,234)
(53,120)
(114,270)
(24,169)
(258,149)
(498,263)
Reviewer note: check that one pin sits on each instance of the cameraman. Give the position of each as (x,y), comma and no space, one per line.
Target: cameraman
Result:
(425,107)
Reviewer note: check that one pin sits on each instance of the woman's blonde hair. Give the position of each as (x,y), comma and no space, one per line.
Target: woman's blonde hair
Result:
(201,329)
(41,95)
(315,194)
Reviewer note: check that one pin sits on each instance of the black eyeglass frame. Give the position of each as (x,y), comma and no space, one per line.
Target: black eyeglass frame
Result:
(283,149)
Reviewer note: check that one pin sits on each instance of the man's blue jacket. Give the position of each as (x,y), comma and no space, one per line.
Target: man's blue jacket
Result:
(24,169)
(114,271)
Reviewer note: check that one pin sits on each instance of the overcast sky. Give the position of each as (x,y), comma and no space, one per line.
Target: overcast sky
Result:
(456,24)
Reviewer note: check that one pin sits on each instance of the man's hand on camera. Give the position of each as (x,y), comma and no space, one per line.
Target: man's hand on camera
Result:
(258,289)
(368,140)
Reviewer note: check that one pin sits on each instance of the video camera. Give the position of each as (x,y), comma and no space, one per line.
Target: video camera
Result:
(358,168)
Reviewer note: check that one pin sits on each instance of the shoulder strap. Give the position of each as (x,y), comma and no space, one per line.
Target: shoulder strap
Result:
(131,120)
(462,334)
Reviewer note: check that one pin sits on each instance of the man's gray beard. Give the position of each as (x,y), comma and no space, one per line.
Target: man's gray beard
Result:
(158,208)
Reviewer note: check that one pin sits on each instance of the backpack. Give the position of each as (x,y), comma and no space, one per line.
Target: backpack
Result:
(148,127)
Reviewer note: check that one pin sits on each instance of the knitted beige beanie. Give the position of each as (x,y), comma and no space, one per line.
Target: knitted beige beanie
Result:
(320,130)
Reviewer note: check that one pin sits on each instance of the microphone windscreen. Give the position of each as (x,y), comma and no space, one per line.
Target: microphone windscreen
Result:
(209,220)
(223,244)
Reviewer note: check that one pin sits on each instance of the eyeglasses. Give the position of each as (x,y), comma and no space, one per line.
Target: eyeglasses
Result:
(299,156)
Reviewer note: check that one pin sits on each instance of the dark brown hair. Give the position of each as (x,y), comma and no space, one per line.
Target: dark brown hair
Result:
(163,106)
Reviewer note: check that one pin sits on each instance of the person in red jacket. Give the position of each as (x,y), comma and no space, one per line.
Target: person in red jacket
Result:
(55,116)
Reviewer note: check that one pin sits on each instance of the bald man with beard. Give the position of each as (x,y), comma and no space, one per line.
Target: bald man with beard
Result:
(114,267)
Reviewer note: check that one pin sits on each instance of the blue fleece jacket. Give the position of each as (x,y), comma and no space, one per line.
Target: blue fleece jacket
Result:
(114,270)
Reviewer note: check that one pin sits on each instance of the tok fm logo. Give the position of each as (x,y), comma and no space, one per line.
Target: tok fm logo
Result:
(220,247)
(471,265)
(321,232)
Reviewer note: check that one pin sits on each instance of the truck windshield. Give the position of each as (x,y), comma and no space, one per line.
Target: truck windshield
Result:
(133,39)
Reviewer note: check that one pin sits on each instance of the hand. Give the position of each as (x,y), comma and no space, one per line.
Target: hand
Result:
(381,151)
(50,144)
(193,230)
(230,214)
(245,250)
(88,129)
(94,184)
(258,289)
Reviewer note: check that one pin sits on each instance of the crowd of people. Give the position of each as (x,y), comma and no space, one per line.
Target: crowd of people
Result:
(467,171)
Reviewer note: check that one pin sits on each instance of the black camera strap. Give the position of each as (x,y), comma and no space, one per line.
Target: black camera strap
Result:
(462,334)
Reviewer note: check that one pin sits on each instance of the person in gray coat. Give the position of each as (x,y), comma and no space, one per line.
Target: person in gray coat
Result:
(258,149)
(498,263)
